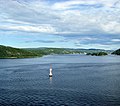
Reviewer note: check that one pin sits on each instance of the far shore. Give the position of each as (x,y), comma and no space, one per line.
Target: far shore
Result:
(48,55)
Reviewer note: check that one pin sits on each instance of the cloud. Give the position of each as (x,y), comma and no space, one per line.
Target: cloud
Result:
(82,21)
(115,40)
(84,40)
(59,21)
(38,29)
(99,46)
(111,27)
(40,41)
(74,4)
(77,4)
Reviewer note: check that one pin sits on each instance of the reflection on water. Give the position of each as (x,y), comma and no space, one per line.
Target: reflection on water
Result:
(50,80)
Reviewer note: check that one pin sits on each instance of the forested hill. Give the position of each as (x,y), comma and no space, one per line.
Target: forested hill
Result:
(10,52)
(117,52)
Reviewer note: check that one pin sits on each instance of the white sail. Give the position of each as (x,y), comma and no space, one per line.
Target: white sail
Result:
(50,74)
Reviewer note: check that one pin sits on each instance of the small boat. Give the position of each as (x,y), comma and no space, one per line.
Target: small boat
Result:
(50,74)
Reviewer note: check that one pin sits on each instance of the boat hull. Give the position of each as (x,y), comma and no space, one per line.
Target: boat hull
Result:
(50,75)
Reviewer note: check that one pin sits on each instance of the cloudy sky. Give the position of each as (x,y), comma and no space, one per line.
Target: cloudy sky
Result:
(60,23)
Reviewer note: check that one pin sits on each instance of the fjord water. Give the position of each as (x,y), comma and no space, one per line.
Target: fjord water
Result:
(78,80)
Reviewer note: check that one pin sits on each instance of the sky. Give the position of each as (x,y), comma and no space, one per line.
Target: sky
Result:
(60,23)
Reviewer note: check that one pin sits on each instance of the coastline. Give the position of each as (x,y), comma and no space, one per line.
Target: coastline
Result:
(44,55)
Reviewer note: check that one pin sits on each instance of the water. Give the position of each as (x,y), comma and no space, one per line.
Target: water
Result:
(78,80)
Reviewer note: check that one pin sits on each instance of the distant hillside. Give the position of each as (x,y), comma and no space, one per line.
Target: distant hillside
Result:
(117,52)
(48,51)
(10,52)
(98,54)
(95,50)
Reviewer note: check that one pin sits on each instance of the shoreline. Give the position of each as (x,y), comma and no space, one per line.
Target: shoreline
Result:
(50,54)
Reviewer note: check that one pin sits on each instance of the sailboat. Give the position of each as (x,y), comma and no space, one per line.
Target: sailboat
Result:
(50,74)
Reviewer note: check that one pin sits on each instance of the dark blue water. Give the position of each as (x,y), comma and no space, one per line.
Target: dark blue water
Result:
(78,80)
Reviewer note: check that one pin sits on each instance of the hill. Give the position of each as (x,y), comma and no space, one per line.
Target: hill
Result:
(98,54)
(117,52)
(10,52)
(48,51)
